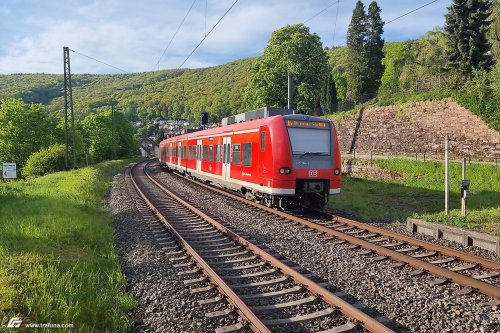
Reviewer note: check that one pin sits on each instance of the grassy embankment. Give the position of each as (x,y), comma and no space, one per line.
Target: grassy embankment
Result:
(405,188)
(57,259)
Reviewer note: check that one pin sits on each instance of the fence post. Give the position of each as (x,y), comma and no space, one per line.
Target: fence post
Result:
(354,152)
(371,155)
(469,160)
(416,156)
(424,157)
(446,174)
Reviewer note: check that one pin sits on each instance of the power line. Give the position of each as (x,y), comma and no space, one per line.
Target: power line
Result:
(394,19)
(414,10)
(206,35)
(171,39)
(321,11)
(336,20)
(102,62)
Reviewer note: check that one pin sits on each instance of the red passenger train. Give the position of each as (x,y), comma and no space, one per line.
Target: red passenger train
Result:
(278,160)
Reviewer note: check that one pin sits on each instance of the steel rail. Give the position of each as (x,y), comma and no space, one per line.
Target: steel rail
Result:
(255,322)
(458,278)
(417,242)
(366,321)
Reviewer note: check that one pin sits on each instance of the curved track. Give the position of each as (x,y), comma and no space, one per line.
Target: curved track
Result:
(471,272)
(265,292)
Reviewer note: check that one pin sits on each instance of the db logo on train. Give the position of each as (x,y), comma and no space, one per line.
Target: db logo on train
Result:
(313,173)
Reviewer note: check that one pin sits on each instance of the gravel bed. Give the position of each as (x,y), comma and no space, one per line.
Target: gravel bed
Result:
(163,302)
(409,300)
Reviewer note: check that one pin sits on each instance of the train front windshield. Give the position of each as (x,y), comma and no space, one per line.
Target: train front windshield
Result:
(310,138)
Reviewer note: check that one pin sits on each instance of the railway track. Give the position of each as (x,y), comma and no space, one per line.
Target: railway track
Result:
(260,292)
(447,265)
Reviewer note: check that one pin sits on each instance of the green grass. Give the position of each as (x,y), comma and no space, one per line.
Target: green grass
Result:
(58,263)
(405,188)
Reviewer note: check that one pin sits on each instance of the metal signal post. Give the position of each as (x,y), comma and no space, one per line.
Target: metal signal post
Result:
(68,101)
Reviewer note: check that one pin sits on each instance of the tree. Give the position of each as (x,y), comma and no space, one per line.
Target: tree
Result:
(97,129)
(375,45)
(466,26)
(25,129)
(397,54)
(356,67)
(291,49)
(329,95)
(494,31)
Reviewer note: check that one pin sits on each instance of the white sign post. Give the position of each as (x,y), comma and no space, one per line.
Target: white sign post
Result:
(9,171)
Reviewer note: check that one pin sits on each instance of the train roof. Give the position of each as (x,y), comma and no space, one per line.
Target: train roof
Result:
(246,125)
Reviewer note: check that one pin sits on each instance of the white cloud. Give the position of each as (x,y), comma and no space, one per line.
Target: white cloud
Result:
(132,35)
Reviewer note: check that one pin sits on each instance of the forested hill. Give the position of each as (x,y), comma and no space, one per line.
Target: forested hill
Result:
(170,94)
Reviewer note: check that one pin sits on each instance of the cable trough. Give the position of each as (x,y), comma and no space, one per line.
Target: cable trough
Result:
(233,276)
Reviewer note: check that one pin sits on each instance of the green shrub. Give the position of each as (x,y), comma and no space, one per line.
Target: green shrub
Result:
(44,161)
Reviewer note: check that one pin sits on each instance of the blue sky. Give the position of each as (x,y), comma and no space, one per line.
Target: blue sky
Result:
(132,35)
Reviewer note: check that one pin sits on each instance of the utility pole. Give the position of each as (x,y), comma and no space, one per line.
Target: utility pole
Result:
(446,175)
(68,101)
(112,132)
(66,65)
(290,91)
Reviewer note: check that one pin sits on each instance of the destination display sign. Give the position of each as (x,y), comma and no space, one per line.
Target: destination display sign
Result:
(304,123)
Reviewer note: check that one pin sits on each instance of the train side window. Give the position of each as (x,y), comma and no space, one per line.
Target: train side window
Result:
(236,154)
(247,154)
(262,141)
(224,159)
(217,154)
(211,153)
(204,152)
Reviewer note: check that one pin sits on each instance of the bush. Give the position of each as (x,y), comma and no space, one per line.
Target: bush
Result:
(46,160)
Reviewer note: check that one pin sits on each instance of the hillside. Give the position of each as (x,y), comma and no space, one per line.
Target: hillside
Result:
(172,94)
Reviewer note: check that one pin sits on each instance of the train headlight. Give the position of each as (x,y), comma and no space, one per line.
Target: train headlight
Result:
(336,171)
(284,171)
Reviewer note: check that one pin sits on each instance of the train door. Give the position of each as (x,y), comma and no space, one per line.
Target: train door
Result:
(226,158)
(198,156)
(179,154)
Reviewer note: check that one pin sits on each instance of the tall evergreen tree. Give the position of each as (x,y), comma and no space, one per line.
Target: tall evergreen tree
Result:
(466,26)
(356,68)
(375,45)
(328,95)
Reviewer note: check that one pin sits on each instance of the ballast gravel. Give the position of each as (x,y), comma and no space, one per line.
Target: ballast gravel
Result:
(408,300)
(163,302)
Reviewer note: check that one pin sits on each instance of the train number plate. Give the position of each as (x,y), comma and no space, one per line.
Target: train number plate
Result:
(313,173)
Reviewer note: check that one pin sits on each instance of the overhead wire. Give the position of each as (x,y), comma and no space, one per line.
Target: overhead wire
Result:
(175,34)
(335,25)
(208,34)
(99,61)
(414,10)
(321,11)
(396,18)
